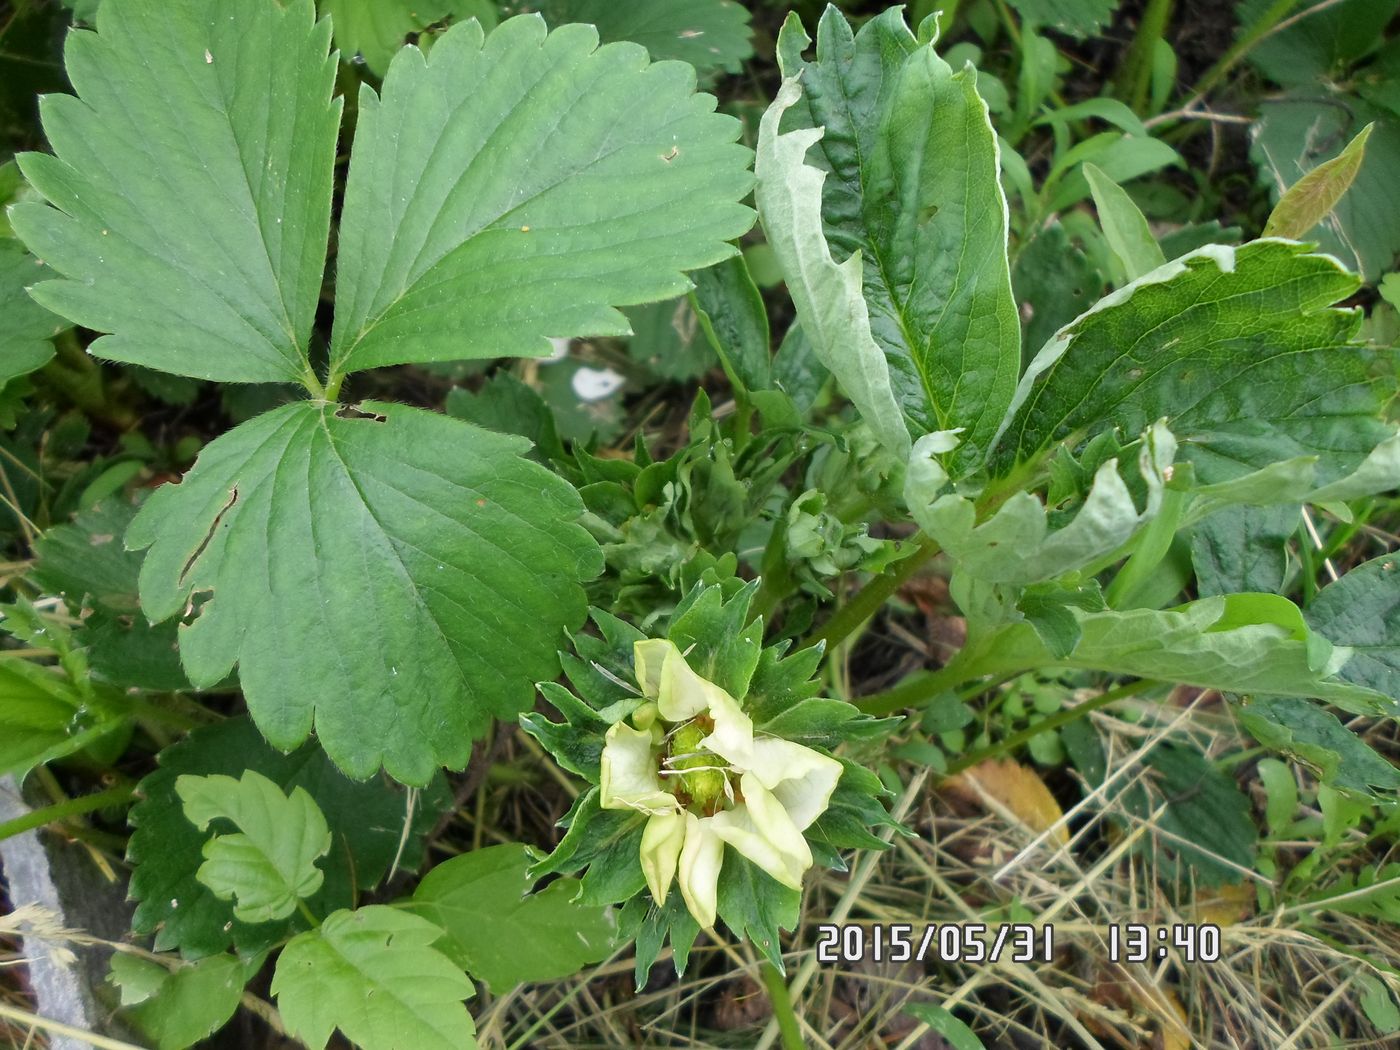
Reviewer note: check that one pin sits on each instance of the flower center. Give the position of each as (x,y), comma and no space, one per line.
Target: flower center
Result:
(697,776)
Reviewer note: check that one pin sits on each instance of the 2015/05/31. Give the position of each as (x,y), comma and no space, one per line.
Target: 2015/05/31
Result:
(970,942)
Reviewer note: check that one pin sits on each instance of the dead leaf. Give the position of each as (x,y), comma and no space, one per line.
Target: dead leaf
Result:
(1016,788)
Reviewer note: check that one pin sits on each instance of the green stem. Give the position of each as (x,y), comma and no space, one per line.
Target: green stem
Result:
(1046,725)
(783,1013)
(113,796)
(307,914)
(872,596)
(1136,77)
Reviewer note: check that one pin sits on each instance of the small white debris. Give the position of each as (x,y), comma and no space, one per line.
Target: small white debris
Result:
(208,57)
(594,384)
(560,351)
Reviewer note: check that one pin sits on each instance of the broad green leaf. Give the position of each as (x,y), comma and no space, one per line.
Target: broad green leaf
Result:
(507,405)
(1079,18)
(1055,282)
(177,1008)
(913,193)
(1314,736)
(735,321)
(368,822)
(376,29)
(495,201)
(1239,643)
(1362,611)
(1016,545)
(1238,340)
(1121,157)
(827,296)
(374,974)
(26,328)
(269,864)
(1243,549)
(1311,199)
(190,186)
(1124,225)
(1208,835)
(709,34)
(1303,129)
(1310,50)
(500,932)
(361,568)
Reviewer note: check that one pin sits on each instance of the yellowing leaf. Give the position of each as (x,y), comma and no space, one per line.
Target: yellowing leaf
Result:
(1016,788)
(1310,199)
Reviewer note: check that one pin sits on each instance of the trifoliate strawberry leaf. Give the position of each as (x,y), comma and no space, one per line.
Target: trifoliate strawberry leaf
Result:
(913,189)
(1219,336)
(504,935)
(269,864)
(374,974)
(190,186)
(709,34)
(26,328)
(366,821)
(495,200)
(364,569)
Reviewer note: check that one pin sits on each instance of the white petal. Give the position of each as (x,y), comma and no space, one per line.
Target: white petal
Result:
(628,776)
(648,657)
(701,857)
(661,851)
(762,831)
(801,778)
(732,738)
(683,693)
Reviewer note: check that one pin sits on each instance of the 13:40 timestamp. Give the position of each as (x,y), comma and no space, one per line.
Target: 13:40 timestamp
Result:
(1132,942)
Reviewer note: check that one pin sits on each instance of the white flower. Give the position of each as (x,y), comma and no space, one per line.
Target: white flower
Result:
(705,781)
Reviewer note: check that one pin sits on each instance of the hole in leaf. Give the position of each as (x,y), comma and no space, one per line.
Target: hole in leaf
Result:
(353,412)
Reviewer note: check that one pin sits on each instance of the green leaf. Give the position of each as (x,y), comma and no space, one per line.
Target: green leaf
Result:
(1314,736)
(367,822)
(26,328)
(666,337)
(957,1035)
(755,906)
(507,405)
(1017,545)
(270,864)
(1079,18)
(709,34)
(499,931)
(190,186)
(834,317)
(1055,282)
(43,717)
(1207,831)
(450,534)
(734,320)
(1311,199)
(1243,549)
(1315,48)
(522,186)
(374,974)
(1124,225)
(1256,644)
(914,195)
(1362,611)
(376,29)
(1220,336)
(177,1008)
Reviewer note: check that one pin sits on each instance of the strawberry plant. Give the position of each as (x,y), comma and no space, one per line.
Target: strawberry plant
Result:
(817,374)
